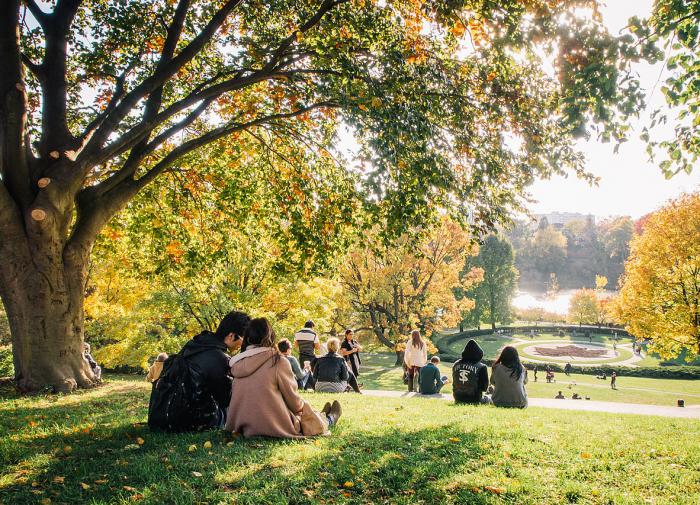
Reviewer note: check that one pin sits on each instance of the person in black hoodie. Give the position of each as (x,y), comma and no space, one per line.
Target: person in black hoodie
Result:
(469,375)
(208,353)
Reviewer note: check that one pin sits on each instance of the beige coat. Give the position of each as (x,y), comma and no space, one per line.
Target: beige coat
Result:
(264,399)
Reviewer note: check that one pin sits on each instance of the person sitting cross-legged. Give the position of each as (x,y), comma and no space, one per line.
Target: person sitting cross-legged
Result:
(301,376)
(330,371)
(264,398)
(430,381)
(470,377)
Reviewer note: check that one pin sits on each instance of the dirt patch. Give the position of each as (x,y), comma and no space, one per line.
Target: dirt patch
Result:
(571,350)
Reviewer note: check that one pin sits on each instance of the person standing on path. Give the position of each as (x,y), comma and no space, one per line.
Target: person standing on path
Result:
(308,344)
(613,380)
(415,357)
(350,350)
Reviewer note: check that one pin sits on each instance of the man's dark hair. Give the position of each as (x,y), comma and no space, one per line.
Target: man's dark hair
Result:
(309,324)
(234,322)
(284,345)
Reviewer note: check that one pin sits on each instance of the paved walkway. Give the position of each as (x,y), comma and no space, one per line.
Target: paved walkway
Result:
(567,404)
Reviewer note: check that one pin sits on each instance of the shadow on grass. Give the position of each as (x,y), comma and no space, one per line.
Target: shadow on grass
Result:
(90,453)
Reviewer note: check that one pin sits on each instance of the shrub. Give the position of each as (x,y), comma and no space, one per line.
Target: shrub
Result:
(7,368)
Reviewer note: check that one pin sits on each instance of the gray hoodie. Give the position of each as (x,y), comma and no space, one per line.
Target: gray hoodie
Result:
(507,390)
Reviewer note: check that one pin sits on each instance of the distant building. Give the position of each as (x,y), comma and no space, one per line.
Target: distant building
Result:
(559,219)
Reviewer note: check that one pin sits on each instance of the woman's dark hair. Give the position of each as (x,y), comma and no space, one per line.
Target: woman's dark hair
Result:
(259,332)
(348,332)
(509,358)
(234,322)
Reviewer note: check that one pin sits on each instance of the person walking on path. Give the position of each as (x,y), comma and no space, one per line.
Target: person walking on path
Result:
(415,357)
(350,350)
(470,377)
(509,377)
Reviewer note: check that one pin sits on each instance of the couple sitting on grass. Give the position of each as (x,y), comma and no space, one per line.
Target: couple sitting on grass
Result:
(508,378)
(253,393)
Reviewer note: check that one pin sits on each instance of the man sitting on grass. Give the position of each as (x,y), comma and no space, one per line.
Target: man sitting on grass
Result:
(301,376)
(430,381)
(470,376)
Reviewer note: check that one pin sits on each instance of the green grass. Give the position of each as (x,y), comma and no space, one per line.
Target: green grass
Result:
(382,451)
(378,372)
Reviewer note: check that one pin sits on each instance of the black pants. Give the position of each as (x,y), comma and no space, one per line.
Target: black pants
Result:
(352,382)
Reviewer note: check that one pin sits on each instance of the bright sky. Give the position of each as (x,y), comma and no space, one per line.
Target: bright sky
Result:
(629,183)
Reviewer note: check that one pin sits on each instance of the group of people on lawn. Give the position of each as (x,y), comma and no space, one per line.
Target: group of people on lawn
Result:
(255,392)
(470,377)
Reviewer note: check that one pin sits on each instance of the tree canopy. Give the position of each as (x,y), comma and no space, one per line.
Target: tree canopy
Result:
(660,294)
(449,104)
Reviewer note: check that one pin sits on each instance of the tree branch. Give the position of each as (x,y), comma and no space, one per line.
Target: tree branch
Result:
(157,79)
(14,168)
(40,16)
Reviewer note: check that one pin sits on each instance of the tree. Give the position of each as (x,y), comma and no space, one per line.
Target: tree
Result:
(99,99)
(674,26)
(494,293)
(615,235)
(660,294)
(409,284)
(583,307)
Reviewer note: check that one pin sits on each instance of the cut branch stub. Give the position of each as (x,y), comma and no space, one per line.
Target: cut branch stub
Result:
(43,182)
(38,214)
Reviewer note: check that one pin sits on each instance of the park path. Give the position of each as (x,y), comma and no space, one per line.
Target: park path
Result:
(567,404)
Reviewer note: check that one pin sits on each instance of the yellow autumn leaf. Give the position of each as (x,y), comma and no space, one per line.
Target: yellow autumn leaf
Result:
(68,449)
(495,490)
(458,29)
(363,107)
(376,102)
(58,480)
(196,474)
(85,486)
(585,455)
(192,448)
(140,441)
(454,440)
(349,484)
(207,444)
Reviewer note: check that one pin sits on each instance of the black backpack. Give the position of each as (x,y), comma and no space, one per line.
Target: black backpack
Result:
(180,400)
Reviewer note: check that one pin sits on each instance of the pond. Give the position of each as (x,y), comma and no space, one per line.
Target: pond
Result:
(557,303)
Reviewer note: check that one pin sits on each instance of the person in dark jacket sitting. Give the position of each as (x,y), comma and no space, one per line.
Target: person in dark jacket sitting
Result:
(430,381)
(331,371)
(470,376)
(208,353)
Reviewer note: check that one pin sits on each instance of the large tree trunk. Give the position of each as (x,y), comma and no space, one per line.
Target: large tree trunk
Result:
(42,291)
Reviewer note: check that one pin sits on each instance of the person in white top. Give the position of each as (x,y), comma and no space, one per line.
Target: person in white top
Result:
(415,357)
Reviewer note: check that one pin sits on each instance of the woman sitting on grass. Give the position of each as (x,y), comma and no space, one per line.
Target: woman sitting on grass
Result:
(509,378)
(264,399)
(331,371)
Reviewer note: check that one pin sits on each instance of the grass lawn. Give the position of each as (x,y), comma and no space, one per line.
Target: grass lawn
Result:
(92,448)
(378,372)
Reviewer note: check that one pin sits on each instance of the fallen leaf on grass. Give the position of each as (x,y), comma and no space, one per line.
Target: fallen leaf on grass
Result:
(85,486)
(349,484)
(136,497)
(140,441)
(58,480)
(196,474)
(101,481)
(586,455)
(68,449)
(46,501)
(346,494)
(454,440)
(192,448)
(129,488)
(132,447)
(207,444)
(495,490)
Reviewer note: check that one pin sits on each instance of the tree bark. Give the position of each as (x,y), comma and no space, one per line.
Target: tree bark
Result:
(42,291)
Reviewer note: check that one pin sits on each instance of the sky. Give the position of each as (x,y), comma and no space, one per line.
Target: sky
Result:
(629,184)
